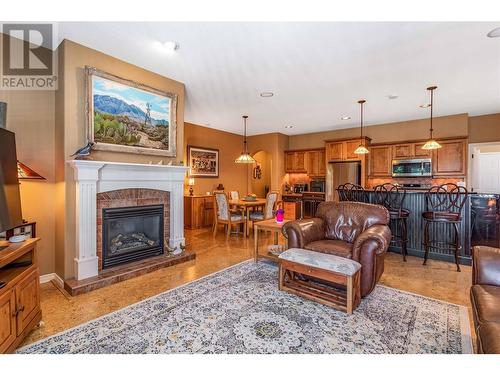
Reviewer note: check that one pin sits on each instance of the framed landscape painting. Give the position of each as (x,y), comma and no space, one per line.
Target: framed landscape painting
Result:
(127,116)
(203,162)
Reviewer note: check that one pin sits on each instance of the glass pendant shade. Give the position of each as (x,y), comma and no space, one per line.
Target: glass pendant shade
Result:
(245,157)
(431,144)
(361,150)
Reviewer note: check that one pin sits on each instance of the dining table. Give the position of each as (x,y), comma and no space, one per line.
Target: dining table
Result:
(247,205)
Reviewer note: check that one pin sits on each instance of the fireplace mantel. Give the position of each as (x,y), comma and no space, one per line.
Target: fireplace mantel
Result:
(93,177)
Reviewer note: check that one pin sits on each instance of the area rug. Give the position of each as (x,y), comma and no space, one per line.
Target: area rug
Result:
(241,310)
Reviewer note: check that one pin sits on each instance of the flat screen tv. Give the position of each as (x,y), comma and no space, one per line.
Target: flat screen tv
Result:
(10,199)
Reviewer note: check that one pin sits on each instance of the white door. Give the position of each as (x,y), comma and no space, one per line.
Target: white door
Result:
(488,173)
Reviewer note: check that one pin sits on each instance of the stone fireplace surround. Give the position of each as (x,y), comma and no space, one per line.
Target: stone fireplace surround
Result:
(93,178)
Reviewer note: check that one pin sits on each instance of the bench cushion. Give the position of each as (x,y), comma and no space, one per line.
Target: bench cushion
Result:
(323,261)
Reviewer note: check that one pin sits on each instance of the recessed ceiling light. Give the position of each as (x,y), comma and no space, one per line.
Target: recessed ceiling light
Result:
(424,105)
(393,96)
(288,126)
(495,33)
(171,46)
(345,118)
(267,94)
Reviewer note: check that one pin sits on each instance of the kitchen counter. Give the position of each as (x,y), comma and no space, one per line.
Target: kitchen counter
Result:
(415,203)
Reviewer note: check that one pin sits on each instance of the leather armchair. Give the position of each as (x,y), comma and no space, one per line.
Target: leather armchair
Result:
(485,298)
(353,230)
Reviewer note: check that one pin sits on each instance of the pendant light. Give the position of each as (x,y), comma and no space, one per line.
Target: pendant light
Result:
(431,144)
(245,157)
(361,148)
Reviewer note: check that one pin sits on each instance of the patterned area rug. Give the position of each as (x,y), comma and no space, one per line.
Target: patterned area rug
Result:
(241,310)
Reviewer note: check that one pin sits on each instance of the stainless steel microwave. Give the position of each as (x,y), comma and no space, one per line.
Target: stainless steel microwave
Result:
(412,168)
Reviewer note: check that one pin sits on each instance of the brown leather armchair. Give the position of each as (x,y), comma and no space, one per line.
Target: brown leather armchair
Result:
(353,230)
(485,298)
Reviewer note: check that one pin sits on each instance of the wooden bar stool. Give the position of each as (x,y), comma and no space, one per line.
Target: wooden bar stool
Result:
(393,197)
(444,204)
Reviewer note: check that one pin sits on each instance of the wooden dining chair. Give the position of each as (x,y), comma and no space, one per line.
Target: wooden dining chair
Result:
(269,209)
(223,215)
(234,195)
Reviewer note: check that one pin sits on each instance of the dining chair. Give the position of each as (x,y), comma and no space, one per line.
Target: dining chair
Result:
(234,195)
(269,208)
(223,215)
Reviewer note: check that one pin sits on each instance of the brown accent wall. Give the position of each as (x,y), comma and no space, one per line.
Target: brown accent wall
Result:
(484,128)
(446,126)
(231,175)
(71,127)
(30,114)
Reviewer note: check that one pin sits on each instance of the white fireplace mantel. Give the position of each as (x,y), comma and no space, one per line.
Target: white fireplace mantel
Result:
(93,177)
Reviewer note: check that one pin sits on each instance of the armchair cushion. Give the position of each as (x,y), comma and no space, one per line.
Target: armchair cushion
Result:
(333,247)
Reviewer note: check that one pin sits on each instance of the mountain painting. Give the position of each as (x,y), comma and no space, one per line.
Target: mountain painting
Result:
(130,117)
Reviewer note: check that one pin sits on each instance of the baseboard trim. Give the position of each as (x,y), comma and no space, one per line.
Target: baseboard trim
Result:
(52,277)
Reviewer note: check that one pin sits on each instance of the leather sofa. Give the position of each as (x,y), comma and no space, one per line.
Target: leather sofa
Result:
(352,230)
(485,298)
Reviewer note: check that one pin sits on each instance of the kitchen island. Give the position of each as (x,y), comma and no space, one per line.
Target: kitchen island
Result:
(415,203)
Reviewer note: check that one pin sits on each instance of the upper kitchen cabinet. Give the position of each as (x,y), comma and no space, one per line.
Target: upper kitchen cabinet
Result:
(410,150)
(451,158)
(310,161)
(380,161)
(295,162)
(343,150)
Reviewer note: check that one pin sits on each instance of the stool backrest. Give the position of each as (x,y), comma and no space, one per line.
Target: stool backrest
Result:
(390,196)
(352,193)
(446,197)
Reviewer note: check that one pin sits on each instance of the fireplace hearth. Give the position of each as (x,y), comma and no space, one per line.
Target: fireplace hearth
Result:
(131,233)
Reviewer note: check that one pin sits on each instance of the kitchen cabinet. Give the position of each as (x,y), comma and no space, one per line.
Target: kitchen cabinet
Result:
(450,159)
(410,150)
(316,164)
(198,211)
(343,150)
(380,161)
(295,162)
(292,210)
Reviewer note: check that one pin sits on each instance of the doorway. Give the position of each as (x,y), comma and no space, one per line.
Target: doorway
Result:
(484,167)
(261,174)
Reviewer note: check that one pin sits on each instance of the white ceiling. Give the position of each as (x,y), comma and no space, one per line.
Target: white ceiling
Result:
(317,71)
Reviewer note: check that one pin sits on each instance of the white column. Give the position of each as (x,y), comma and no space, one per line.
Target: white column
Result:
(177,214)
(86,261)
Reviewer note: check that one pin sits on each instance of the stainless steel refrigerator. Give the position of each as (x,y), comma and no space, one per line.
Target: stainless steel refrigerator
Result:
(341,173)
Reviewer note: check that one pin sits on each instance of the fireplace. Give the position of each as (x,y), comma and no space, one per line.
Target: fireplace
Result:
(131,233)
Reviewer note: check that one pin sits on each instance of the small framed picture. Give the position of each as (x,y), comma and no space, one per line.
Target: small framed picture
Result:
(203,162)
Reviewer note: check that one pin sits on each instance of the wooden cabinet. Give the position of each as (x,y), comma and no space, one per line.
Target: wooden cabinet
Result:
(198,211)
(380,161)
(410,150)
(316,163)
(335,151)
(451,158)
(295,162)
(292,210)
(350,147)
(20,297)
(8,332)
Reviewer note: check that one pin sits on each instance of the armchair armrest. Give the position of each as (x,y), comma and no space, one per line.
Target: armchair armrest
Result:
(375,239)
(301,232)
(485,265)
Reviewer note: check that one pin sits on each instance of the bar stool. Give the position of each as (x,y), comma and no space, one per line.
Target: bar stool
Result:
(393,197)
(352,193)
(444,204)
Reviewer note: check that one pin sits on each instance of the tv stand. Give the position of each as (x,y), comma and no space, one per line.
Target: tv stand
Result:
(20,295)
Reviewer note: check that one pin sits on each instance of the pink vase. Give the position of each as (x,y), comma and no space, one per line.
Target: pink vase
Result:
(280,215)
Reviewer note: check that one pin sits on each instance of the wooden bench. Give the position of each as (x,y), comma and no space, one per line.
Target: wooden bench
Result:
(324,278)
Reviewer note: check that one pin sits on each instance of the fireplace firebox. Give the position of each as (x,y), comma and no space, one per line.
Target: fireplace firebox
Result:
(131,233)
